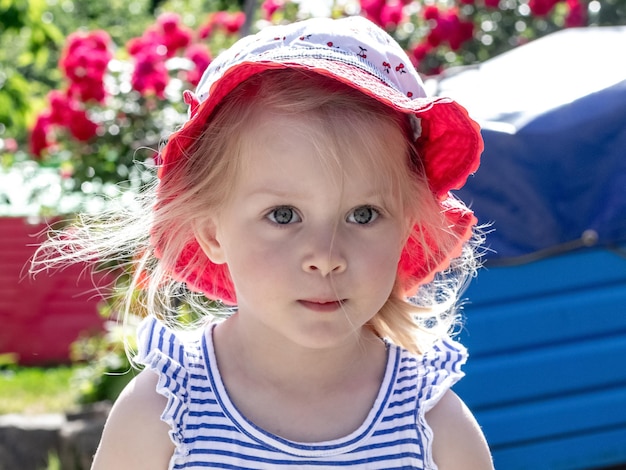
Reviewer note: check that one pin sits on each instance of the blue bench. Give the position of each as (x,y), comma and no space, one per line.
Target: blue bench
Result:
(547,371)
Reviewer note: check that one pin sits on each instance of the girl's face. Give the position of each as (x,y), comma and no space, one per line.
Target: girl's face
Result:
(312,244)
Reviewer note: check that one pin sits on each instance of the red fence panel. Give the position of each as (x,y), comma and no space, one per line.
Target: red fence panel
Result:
(41,317)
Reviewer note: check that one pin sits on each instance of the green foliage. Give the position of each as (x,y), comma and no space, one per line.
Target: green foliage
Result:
(105,369)
(54,463)
(36,390)
(33,41)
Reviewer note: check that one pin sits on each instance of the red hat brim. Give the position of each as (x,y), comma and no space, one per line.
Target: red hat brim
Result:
(450,145)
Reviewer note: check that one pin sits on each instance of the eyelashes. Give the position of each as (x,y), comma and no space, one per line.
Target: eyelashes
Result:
(286,215)
(363,215)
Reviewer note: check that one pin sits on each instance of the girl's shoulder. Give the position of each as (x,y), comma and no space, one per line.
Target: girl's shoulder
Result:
(134,436)
(177,360)
(458,441)
(454,439)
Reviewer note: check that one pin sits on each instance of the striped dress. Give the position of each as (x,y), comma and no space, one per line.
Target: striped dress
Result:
(209,432)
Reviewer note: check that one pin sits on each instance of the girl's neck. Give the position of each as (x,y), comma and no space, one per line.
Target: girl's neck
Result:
(270,359)
(302,394)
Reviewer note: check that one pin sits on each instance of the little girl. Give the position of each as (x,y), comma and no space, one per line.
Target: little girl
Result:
(308,194)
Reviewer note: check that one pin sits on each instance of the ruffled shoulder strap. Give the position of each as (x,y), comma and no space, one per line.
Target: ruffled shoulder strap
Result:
(439,369)
(163,352)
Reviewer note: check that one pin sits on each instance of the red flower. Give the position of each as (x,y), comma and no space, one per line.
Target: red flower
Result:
(234,21)
(492,3)
(162,40)
(450,29)
(373,10)
(136,46)
(150,74)
(60,107)
(87,90)
(231,23)
(270,7)
(165,38)
(431,12)
(419,52)
(577,14)
(391,15)
(541,7)
(171,34)
(84,61)
(81,127)
(201,57)
(41,134)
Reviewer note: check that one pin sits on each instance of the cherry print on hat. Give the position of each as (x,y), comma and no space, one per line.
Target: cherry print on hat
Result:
(359,54)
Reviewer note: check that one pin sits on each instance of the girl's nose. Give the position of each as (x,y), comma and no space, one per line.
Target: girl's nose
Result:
(325,259)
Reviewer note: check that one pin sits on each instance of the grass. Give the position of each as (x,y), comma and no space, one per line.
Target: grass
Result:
(32,390)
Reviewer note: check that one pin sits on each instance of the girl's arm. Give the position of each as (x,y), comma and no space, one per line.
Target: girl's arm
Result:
(458,442)
(134,436)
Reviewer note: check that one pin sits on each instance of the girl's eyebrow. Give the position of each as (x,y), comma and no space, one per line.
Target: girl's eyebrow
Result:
(271,191)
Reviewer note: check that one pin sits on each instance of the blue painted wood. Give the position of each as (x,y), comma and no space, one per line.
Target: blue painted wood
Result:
(585,269)
(556,418)
(539,321)
(547,372)
(597,450)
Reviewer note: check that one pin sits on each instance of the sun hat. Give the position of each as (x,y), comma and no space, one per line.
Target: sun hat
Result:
(359,54)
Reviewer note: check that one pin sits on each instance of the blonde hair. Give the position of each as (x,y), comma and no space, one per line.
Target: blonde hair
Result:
(201,181)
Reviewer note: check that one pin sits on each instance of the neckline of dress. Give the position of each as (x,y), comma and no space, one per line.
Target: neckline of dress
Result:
(301,449)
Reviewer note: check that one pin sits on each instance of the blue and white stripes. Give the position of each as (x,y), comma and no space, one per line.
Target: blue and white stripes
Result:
(210,433)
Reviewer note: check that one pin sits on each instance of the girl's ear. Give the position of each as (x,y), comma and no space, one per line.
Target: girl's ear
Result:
(206,236)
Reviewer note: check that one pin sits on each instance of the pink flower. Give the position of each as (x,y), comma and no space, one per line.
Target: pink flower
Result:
(201,57)
(10,145)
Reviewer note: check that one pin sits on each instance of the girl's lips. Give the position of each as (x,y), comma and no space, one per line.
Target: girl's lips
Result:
(321,306)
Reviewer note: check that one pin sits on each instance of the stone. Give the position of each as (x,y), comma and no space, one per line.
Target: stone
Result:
(26,441)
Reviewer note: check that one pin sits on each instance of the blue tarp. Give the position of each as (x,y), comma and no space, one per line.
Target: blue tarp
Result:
(553,112)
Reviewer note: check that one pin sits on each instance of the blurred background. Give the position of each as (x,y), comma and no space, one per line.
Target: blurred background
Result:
(89,90)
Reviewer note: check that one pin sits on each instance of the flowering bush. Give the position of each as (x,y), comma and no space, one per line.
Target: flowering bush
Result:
(439,34)
(118,103)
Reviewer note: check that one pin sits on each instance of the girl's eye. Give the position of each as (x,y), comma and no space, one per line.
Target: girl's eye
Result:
(363,215)
(284,215)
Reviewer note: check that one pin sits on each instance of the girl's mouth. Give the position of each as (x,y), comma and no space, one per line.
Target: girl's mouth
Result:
(322,305)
